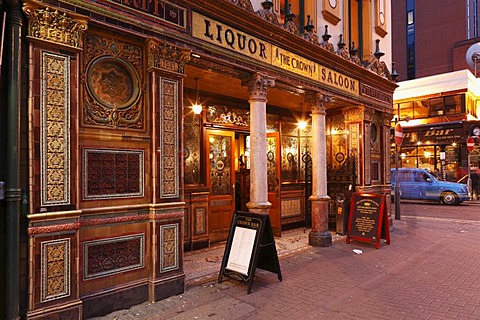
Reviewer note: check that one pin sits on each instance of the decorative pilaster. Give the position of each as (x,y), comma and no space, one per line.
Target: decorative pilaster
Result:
(258,85)
(319,236)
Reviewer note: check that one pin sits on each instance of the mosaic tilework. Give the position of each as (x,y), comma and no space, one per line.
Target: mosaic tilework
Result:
(111,173)
(169,160)
(169,247)
(112,256)
(55,129)
(55,269)
(291,207)
(200,220)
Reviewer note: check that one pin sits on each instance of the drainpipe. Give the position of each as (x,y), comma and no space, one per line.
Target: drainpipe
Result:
(13,191)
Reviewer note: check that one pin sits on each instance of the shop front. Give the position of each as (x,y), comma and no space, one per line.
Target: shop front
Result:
(122,174)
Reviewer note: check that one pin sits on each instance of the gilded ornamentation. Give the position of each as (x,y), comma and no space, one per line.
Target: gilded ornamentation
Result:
(112,173)
(228,115)
(272,181)
(379,67)
(166,57)
(244,4)
(354,113)
(200,220)
(169,247)
(272,123)
(289,158)
(169,139)
(291,207)
(191,153)
(55,129)
(114,83)
(111,256)
(55,269)
(220,159)
(54,26)
(268,15)
(258,85)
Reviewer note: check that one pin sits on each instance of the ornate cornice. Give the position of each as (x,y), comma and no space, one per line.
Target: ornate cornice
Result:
(54,26)
(166,57)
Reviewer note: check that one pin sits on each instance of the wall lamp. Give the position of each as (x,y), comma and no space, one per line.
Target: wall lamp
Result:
(197,107)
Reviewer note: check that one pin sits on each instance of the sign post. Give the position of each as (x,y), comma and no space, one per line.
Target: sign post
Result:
(398,135)
(470,147)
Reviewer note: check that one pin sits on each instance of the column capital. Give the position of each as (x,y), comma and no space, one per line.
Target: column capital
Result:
(258,85)
(317,102)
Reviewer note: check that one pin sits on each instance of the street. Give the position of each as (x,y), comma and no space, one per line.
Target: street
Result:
(431,270)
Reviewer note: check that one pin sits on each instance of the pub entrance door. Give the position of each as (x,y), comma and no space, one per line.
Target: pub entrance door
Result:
(220,175)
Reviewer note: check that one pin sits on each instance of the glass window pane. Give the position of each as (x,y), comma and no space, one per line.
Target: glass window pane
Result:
(436,107)
(454,104)
(410,17)
(420,109)
(406,109)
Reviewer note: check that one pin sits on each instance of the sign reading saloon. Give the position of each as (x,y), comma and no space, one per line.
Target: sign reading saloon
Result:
(230,38)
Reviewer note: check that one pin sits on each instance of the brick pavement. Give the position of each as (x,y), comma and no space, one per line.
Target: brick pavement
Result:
(430,271)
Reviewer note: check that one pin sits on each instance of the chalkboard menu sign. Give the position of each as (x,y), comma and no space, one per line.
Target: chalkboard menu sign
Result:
(250,245)
(368,221)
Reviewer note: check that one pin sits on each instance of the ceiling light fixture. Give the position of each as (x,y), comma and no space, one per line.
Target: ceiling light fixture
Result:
(302,124)
(197,107)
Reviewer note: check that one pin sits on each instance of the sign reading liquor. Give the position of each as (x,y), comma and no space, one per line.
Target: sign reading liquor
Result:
(227,37)
(230,38)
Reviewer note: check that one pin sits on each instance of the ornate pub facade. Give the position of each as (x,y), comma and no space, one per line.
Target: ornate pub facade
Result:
(134,130)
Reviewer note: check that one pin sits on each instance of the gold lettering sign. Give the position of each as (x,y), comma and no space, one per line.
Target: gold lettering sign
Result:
(338,80)
(294,63)
(230,38)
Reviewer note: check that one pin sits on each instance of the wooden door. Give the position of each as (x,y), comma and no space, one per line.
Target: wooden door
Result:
(274,183)
(221,182)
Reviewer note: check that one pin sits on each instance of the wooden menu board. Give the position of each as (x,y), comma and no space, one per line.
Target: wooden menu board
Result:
(368,221)
(250,245)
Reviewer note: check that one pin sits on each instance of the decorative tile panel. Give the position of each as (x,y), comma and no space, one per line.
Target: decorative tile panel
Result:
(55,269)
(169,247)
(113,78)
(200,220)
(272,181)
(169,139)
(291,207)
(111,256)
(113,173)
(55,129)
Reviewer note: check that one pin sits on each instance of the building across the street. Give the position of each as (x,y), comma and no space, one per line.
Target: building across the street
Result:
(435,49)
(442,112)
(132,130)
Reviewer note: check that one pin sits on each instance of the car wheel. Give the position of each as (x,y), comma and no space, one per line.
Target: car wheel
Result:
(449,198)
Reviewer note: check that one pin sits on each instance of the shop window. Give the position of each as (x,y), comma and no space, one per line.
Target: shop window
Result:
(420,109)
(436,107)
(406,110)
(454,104)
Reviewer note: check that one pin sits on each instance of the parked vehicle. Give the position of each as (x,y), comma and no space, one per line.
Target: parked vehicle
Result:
(422,184)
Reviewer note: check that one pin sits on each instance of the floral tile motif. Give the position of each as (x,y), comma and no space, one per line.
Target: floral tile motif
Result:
(55,269)
(106,257)
(169,247)
(55,129)
(112,173)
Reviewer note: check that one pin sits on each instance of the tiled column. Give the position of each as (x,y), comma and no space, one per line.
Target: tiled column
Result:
(258,85)
(319,236)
